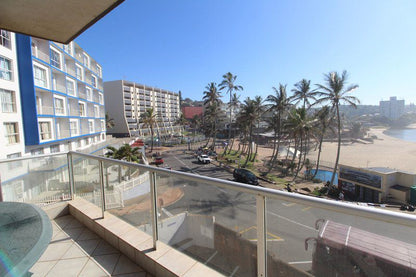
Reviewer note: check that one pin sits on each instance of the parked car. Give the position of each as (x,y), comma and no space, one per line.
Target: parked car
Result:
(204,159)
(158,161)
(245,176)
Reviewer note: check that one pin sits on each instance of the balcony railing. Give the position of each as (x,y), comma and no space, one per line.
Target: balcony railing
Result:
(236,229)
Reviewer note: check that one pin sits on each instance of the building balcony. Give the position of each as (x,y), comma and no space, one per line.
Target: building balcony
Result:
(127,101)
(127,95)
(181,224)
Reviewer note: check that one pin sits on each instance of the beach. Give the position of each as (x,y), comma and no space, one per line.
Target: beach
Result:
(386,151)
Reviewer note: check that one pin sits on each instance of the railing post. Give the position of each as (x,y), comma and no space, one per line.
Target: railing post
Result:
(261,236)
(101,173)
(71,175)
(153,202)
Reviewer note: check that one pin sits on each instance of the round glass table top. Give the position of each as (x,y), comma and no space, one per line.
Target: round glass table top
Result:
(25,232)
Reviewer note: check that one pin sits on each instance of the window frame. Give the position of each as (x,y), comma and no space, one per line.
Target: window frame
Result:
(37,80)
(70,80)
(84,114)
(57,97)
(72,121)
(6,71)
(91,122)
(8,105)
(5,39)
(81,76)
(9,135)
(41,133)
(94,81)
(88,91)
(53,62)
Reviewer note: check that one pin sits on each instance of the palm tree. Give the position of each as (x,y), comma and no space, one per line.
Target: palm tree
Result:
(249,115)
(325,121)
(235,103)
(279,104)
(259,109)
(335,93)
(212,102)
(149,119)
(125,153)
(109,122)
(228,82)
(302,92)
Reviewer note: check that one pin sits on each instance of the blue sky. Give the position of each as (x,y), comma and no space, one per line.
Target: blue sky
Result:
(185,44)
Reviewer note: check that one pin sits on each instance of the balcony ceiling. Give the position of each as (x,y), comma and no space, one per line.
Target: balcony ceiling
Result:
(57,20)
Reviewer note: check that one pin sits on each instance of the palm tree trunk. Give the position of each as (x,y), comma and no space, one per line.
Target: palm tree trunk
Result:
(249,146)
(151,137)
(300,158)
(319,155)
(339,145)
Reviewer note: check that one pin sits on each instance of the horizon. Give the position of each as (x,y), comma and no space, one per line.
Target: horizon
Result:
(185,45)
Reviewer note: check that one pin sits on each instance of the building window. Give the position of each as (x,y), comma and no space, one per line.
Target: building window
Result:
(13,165)
(8,101)
(55,58)
(5,39)
(100,98)
(59,105)
(96,111)
(68,48)
(40,76)
(98,69)
(91,126)
(35,152)
(94,81)
(70,87)
(6,72)
(86,60)
(79,72)
(55,148)
(45,130)
(12,132)
(102,125)
(89,93)
(82,110)
(73,127)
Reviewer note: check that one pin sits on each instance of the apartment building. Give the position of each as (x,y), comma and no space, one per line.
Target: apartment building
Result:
(126,101)
(11,131)
(392,108)
(62,96)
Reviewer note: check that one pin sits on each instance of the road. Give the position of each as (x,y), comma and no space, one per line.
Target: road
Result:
(288,224)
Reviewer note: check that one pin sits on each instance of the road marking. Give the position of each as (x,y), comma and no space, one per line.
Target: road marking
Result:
(300,262)
(255,240)
(305,209)
(235,270)
(247,229)
(292,221)
(274,237)
(211,257)
(288,204)
(193,171)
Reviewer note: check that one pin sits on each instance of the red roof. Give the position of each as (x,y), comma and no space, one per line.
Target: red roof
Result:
(190,112)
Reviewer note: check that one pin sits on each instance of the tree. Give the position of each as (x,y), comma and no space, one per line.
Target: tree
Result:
(336,94)
(234,104)
(325,121)
(259,109)
(302,93)
(228,82)
(212,102)
(125,153)
(149,119)
(249,116)
(278,105)
(109,122)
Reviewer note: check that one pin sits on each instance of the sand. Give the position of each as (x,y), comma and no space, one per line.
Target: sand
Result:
(386,151)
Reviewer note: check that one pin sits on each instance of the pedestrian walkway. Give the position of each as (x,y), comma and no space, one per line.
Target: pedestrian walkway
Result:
(76,251)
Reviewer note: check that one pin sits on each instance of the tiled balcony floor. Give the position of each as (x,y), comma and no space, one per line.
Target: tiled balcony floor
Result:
(76,251)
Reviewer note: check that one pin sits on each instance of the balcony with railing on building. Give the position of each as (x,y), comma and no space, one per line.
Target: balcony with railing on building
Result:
(235,229)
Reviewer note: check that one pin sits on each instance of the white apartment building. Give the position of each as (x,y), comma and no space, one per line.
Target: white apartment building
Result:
(392,108)
(126,101)
(11,131)
(61,92)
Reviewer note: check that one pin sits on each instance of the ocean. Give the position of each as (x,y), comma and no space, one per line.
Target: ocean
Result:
(404,134)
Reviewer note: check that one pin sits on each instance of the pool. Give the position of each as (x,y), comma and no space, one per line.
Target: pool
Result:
(325,175)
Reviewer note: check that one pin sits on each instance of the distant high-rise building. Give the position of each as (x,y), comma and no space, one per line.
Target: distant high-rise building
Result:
(392,108)
(126,101)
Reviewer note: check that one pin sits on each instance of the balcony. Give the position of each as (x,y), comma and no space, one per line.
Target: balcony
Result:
(154,216)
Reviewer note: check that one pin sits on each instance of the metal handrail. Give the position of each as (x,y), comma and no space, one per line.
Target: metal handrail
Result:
(33,157)
(336,206)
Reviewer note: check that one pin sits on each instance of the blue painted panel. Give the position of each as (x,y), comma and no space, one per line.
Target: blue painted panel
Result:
(27,89)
